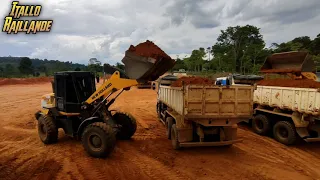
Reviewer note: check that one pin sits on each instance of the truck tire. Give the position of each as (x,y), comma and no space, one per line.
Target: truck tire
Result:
(158,111)
(174,137)
(260,124)
(47,130)
(169,122)
(285,132)
(98,139)
(128,125)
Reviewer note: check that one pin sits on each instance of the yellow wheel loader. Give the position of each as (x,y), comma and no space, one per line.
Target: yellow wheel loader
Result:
(82,111)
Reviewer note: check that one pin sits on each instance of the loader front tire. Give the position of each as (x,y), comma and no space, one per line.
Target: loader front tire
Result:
(47,130)
(128,125)
(261,124)
(98,139)
(174,137)
(285,132)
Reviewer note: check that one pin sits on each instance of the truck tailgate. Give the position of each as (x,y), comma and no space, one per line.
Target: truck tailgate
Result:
(214,102)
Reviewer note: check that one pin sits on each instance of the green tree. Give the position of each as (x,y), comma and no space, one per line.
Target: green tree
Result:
(304,42)
(77,69)
(1,71)
(315,45)
(236,44)
(25,66)
(195,61)
(180,64)
(95,68)
(120,66)
(9,70)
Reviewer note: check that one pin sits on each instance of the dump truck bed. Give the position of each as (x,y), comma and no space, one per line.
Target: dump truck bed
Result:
(213,102)
(303,100)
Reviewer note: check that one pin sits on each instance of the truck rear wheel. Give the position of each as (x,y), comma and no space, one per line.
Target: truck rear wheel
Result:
(128,125)
(98,139)
(47,130)
(261,124)
(174,137)
(284,132)
(169,122)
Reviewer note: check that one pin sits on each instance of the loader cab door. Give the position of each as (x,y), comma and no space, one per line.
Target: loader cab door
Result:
(73,88)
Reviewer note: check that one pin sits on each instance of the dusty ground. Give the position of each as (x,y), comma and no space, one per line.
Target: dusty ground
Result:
(148,156)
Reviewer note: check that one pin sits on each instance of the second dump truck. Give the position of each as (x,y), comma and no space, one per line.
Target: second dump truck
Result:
(197,115)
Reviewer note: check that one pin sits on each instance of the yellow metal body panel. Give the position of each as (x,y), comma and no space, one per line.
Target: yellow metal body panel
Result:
(68,114)
(309,75)
(304,75)
(45,111)
(114,82)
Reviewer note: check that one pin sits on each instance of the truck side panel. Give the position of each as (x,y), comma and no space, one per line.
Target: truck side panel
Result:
(172,97)
(303,100)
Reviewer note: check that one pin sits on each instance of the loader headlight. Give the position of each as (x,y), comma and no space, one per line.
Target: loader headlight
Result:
(84,107)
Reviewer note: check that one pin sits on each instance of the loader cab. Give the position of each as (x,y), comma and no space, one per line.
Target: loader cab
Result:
(71,88)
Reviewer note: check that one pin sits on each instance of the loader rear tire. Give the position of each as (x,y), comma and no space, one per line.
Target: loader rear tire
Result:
(98,139)
(47,130)
(174,137)
(169,122)
(128,125)
(285,132)
(261,124)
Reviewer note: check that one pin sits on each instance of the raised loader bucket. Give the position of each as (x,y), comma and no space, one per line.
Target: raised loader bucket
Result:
(146,62)
(288,62)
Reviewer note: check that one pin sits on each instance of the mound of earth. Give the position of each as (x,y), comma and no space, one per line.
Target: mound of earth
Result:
(13,81)
(195,80)
(301,83)
(149,49)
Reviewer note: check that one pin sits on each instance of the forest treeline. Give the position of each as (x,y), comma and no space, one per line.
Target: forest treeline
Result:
(242,49)
(238,49)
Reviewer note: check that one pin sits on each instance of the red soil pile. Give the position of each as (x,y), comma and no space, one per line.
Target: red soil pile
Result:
(13,81)
(149,49)
(192,80)
(280,70)
(301,83)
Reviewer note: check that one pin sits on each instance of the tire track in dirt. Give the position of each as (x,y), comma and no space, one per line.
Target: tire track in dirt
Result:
(69,170)
(88,169)
(153,168)
(280,154)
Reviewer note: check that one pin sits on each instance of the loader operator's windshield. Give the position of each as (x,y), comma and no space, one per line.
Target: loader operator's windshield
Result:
(83,88)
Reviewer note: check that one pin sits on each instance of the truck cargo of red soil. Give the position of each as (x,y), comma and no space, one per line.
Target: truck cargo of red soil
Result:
(288,108)
(196,112)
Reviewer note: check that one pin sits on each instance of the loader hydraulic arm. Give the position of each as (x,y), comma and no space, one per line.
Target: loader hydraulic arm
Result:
(113,84)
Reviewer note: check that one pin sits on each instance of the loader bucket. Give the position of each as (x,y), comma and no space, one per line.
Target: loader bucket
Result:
(146,62)
(288,62)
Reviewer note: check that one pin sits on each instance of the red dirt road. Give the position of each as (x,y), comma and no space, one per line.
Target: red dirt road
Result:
(148,155)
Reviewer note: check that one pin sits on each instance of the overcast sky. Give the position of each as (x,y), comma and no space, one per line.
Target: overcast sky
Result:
(105,28)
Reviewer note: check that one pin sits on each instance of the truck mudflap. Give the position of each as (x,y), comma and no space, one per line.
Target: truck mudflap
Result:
(219,143)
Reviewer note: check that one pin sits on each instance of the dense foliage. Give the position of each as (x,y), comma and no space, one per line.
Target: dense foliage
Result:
(25,67)
(242,49)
